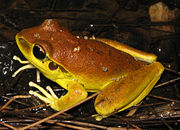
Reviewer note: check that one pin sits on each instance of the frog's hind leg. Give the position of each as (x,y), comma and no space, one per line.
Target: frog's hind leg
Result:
(128,91)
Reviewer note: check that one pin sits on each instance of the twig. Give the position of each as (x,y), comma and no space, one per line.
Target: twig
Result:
(164,98)
(145,105)
(16,101)
(133,125)
(30,108)
(13,98)
(164,121)
(170,81)
(7,125)
(86,124)
(174,71)
(96,126)
(58,113)
(72,126)
(62,124)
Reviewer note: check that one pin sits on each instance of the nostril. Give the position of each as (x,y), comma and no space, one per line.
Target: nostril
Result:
(21,40)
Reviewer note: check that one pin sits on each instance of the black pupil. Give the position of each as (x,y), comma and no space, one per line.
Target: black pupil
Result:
(38,52)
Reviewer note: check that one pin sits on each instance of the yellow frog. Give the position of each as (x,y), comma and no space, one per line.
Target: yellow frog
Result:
(124,74)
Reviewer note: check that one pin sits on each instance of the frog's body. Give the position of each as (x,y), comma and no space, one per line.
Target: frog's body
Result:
(82,66)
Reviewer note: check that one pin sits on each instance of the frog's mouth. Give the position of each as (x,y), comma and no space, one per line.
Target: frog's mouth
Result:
(23,45)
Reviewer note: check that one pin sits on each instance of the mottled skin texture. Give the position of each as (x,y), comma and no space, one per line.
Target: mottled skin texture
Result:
(90,64)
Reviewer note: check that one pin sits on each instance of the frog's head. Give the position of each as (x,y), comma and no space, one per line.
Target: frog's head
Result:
(39,45)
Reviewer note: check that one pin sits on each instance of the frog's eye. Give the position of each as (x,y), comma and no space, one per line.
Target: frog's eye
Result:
(39,52)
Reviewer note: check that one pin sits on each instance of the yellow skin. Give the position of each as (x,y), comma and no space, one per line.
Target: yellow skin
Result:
(125,75)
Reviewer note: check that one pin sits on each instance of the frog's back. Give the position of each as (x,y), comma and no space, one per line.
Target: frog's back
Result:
(96,63)
(90,56)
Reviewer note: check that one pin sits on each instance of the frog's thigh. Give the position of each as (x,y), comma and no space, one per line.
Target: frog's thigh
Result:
(129,91)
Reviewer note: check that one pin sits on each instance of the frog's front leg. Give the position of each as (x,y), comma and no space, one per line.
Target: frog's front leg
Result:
(128,91)
(75,94)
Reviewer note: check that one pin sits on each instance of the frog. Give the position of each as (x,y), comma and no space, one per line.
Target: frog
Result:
(123,75)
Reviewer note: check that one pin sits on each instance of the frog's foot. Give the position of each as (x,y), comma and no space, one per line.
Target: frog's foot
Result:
(75,94)
(27,66)
(49,98)
(20,61)
(98,117)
